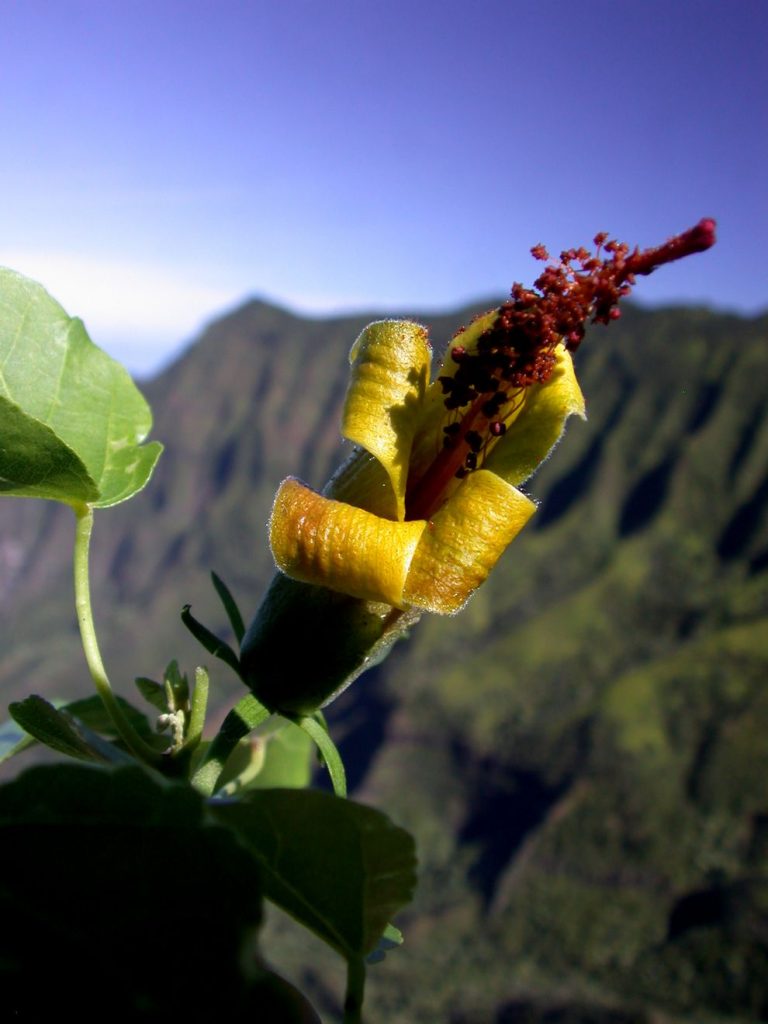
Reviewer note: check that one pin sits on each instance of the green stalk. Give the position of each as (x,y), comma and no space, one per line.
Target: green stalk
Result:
(139,747)
(242,719)
(353,1000)
(328,751)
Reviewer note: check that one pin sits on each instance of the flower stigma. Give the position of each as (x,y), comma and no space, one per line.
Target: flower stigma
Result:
(485,383)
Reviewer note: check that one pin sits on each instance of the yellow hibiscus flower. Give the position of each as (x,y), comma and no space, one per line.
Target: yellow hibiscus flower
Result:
(361,537)
(427,503)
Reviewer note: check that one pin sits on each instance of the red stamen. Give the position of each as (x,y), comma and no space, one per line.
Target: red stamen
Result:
(518,350)
(696,239)
(428,493)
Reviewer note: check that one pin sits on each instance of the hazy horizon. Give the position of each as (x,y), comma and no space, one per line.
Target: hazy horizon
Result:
(165,162)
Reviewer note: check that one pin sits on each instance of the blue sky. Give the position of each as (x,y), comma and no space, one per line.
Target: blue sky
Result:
(163,161)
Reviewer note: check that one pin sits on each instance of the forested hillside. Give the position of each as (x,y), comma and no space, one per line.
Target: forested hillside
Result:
(582,753)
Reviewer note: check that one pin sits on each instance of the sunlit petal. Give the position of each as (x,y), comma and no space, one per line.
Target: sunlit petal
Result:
(329,543)
(362,481)
(463,542)
(390,373)
(540,423)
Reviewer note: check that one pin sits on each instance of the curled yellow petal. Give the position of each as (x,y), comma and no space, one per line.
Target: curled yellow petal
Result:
(540,423)
(532,430)
(463,542)
(329,543)
(390,373)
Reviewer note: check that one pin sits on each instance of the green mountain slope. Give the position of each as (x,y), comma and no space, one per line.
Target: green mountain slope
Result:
(582,752)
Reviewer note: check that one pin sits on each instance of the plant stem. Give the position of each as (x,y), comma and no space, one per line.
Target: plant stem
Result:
(242,719)
(329,753)
(139,747)
(353,1000)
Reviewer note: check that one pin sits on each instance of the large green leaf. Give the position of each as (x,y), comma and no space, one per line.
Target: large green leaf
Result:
(341,869)
(72,421)
(35,463)
(118,886)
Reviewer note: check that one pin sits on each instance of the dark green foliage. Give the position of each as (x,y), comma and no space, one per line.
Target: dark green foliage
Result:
(338,634)
(117,876)
(157,895)
(363,868)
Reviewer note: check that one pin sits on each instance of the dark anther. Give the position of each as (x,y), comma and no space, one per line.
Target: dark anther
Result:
(521,344)
(497,428)
(492,406)
(474,440)
(471,460)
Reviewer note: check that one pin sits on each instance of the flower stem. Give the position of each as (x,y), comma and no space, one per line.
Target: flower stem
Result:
(329,752)
(353,1000)
(139,747)
(244,717)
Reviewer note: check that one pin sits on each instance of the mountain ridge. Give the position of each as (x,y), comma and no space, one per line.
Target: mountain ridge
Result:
(581,753)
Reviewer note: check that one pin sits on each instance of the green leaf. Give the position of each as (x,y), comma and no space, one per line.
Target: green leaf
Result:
(72,727)
(244,717)
(71,419)
(178,685)
(121,880)
(35,463)
(341,869)
(90,711)
(152,692)
(230,607)
(279,755)
(56,730)
(276,1000)
(198,708)
(288,757)
(218,648)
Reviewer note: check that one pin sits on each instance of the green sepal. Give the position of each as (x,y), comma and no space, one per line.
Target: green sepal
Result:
(307,644)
